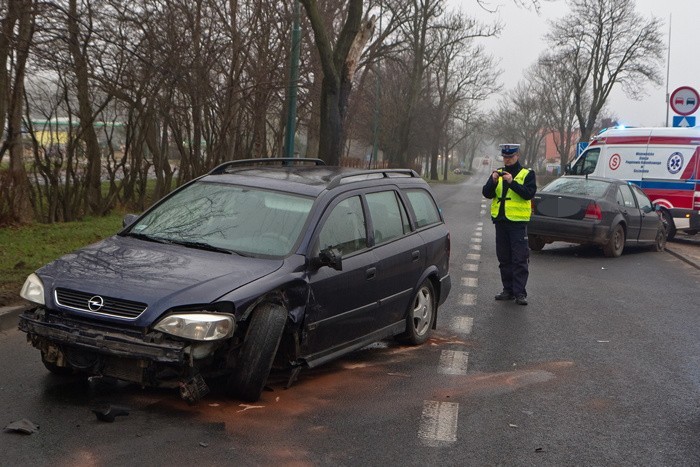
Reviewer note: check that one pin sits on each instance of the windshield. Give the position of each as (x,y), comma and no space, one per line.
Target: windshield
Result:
(577,186)
(244,220)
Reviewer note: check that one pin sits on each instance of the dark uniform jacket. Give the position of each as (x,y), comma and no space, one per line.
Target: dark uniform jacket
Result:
(526,191)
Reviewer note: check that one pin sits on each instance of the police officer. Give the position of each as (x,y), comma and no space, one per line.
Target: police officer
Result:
(511,188)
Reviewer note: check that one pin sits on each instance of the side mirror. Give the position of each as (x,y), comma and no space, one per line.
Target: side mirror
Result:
(129,219)
(330,257)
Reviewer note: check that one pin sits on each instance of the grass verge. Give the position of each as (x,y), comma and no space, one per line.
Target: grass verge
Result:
(27,248)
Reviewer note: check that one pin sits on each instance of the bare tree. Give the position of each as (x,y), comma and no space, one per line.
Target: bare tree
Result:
(520,119)
(15,44)
(604,43)
(555,91)
(339,62)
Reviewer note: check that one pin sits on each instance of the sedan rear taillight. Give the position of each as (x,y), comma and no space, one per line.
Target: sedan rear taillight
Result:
(593,212)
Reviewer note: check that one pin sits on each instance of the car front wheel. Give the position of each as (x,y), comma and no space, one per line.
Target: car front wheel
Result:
(535,243)
(616,244)
(258,352)
(660,241)
(421,315)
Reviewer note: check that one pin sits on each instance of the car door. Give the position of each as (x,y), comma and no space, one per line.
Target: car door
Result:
(400,255)
(343,302)
(627,206)
(649,217)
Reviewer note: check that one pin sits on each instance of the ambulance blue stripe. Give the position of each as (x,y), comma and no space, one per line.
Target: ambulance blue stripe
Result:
(673,185)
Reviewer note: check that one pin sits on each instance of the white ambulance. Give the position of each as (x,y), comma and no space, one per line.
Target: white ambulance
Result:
(663,162)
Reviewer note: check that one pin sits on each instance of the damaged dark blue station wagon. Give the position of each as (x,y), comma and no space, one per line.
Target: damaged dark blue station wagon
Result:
(260,263)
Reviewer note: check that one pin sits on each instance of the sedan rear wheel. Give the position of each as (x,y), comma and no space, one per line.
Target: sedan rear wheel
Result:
(616,244)
(258,352)
(421,315)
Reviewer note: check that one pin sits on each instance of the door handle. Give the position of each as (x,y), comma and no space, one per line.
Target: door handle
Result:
(370,273)
(415,256)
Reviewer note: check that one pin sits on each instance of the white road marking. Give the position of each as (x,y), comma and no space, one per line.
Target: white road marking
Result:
(463,324)
(438,424)
(470,267)
(478,233)
(475,247)
(482,212)
(476,239)
(470,282)
(467,299)
(453,362)
(474,256)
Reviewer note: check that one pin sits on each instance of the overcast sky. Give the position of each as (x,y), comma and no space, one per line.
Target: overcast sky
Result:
(521,42)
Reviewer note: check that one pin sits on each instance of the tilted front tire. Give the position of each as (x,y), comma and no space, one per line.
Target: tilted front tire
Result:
(421,315)
(535,242)
(616,244)
(671,227)
(258,352)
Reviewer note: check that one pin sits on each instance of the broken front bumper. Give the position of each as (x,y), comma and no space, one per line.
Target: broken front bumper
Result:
(111,342)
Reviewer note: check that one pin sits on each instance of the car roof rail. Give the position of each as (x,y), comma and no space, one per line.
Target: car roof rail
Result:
(281,161)
(371,174)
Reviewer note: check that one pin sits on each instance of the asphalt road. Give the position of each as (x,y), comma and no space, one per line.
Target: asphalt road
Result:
(602,368)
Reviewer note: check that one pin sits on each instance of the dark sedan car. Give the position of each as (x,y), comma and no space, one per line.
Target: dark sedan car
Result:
(248,266)
(594,210)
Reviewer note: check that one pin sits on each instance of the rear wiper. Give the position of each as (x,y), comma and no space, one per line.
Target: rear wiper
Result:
(201,246)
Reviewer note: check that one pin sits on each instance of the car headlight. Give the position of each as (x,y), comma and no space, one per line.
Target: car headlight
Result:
(198,326)
(33,290)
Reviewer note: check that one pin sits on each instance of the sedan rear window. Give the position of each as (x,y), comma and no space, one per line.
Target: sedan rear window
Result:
(577,186)
(245,220)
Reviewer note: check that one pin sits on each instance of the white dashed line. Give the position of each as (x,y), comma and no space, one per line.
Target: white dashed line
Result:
(475,247)
(478,233)
(476,239)
(470,267)
(438,424)
(474,256)
(467,299)
(453,362)
(470,282)
(463,324)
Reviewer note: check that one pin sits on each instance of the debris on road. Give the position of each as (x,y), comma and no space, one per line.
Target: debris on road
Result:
(23,426)
(109,412)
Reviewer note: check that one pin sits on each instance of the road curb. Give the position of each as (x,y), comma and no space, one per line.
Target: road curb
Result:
(684,258)
(9,316)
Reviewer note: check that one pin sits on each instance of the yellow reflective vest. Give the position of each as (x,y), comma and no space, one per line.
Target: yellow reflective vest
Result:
(516,209)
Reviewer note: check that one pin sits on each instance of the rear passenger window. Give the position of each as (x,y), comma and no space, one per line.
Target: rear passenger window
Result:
(345,227)
(388,216)
(424,207)
(624,197)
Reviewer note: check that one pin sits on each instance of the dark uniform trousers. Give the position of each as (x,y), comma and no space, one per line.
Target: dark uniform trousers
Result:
(513,256)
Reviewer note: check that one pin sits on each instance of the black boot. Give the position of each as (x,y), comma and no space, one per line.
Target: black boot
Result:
(504,296)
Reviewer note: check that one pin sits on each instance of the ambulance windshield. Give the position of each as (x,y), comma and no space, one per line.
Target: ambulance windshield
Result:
(586,163)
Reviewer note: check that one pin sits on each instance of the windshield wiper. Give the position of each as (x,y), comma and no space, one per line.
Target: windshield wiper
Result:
(146,237)
(201,246)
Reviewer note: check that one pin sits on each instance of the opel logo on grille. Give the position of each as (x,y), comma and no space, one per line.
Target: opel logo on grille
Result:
(96,303)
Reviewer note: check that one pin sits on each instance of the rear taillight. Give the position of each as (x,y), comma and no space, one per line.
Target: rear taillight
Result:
(696,201)
(593,212)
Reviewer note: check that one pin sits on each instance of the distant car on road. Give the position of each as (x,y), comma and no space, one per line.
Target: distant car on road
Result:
(256,263)
(607,212)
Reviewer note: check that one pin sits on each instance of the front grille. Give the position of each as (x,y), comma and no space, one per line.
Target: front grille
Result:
(110,306)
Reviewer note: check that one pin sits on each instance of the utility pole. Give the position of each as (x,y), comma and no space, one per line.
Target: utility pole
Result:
(293,83)
(668,67)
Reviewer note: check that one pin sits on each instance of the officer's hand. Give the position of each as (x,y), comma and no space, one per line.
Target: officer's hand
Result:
(507,177)
(494,176)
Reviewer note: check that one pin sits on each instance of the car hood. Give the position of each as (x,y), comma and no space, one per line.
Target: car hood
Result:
(161,276)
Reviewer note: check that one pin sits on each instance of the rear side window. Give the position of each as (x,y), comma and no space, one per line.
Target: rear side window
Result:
(627,199)
(344,228)
(577,186)
(424,207)
(388,216)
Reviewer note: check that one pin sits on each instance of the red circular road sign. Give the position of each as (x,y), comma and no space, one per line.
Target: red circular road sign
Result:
(685,100)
